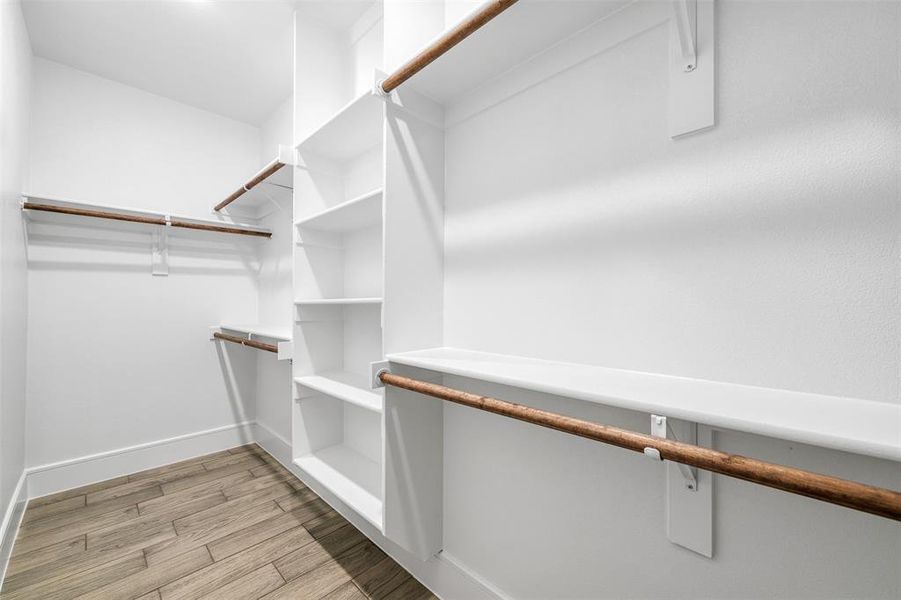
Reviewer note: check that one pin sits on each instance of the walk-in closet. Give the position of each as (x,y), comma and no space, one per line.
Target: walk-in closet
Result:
(458,299)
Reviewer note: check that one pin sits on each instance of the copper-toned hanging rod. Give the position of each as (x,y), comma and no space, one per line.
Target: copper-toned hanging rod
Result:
(99,214)
(851,494)
(254,181)
(246,342)
(148,220)
(445,43)
(219,228)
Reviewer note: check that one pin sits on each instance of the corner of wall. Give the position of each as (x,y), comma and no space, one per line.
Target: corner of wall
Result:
(15,91)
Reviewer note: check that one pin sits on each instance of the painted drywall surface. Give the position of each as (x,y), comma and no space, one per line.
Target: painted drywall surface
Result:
(15,88)
(319,89)
(762,252)
(273,392)
(118,357)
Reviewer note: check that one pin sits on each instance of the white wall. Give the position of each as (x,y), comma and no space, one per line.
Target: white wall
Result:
(118,357)
(15,88)
(763,252)
(276,301)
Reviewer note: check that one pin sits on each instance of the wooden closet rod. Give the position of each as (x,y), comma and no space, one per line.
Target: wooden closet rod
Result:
(851,494)
(149,220)
(255,181)
(219,228)
(99,214)
(246,342)
(445,43)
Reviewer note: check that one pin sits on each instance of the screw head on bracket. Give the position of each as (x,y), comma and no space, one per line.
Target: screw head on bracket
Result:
(690,67)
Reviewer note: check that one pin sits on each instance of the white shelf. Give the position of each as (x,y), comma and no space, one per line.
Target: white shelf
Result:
(267,331)
(860,426)
(354,129)
(54,218)
(358,213)
(349,387)
(519,33)
(337,301)
(352,477)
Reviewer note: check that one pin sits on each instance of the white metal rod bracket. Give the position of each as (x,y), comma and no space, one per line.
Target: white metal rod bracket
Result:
(376,369)
(661,428)
(692,76)
(689,491)
(159,255)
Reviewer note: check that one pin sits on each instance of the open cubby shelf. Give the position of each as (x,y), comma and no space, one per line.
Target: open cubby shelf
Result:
(338,301)
(350,132)
(357,213)
(351,476)
(346,386)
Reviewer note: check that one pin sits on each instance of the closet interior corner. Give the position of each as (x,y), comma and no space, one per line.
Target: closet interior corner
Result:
(469,299)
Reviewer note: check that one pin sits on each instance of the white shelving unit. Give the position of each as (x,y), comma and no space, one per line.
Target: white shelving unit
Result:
(339,266)
(850,424)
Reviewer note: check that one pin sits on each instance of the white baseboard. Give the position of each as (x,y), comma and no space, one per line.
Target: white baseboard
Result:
(273,443)
(12,517)
(76,472)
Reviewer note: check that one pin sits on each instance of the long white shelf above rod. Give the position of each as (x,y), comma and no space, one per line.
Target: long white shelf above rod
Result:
(262,337)
(273,332)
(37,204)
(865,427)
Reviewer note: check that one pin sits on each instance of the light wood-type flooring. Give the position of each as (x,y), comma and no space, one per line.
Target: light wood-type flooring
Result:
(230,525)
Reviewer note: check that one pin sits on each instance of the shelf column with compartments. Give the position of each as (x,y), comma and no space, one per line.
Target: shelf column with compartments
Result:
(339,205)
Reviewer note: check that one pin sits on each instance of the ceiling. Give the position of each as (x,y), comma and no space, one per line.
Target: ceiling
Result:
(231,57)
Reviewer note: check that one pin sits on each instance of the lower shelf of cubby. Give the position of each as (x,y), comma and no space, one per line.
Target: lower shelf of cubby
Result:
(352,477)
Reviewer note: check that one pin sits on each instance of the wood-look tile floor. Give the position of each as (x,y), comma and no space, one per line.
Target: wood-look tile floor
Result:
(230,525)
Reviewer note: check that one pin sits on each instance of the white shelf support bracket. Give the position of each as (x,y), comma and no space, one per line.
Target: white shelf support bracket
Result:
(685,16)
(159,255)
(689,491)
(692,67)
(660,428)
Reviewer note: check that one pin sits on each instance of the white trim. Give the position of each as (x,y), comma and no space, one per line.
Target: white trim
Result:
(455,562)
(12,518)
(76,472)
(273,443)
